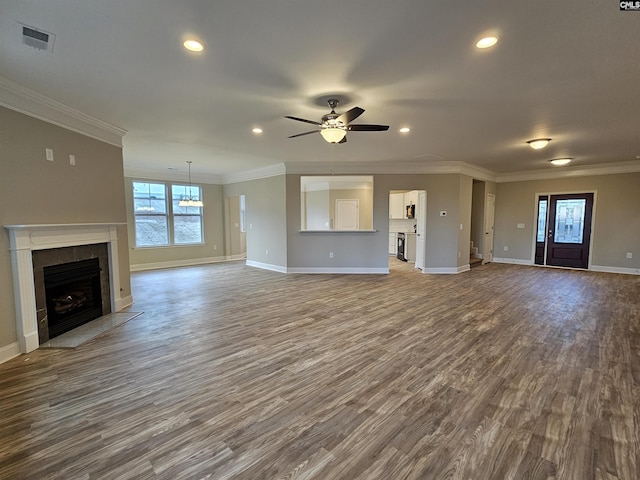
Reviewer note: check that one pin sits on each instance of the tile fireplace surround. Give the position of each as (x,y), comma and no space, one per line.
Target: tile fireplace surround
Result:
(24,239)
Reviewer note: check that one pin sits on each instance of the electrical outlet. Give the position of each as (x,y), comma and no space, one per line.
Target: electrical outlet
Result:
(266,252)
(629,255)
(72,159)
(330,254)
(506,249)
(459,254)
(215,247)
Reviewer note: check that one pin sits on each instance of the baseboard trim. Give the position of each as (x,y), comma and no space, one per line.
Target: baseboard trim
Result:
(10,351)
(339,271)
(623,270)
(514,261)
(267,266)
(447,270)
(141,267)
(123,302)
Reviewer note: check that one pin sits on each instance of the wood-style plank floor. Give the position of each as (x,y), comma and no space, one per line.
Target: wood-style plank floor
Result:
(503,372)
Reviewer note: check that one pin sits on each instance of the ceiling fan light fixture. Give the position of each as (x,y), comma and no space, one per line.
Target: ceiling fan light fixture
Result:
(559,162)
(538,143)
(333,134)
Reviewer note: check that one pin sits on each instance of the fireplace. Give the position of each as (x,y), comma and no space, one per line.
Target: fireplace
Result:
(72,292)
(67,244)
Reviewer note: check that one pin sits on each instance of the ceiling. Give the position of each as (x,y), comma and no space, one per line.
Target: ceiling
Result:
(566,70)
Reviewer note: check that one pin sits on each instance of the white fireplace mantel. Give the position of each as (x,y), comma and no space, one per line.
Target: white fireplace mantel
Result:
(26,238)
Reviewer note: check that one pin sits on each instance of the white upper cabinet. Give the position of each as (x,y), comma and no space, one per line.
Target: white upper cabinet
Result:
(397,205)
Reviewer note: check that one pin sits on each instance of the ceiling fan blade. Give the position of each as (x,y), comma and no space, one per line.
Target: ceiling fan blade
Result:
(305,133)
(344,140)
(303,120)
(363,127)
(350,115)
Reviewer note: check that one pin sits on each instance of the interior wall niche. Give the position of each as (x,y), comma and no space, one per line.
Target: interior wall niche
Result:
(58,256)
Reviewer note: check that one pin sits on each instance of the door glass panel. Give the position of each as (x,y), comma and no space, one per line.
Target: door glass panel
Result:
(569,220)
(542,220)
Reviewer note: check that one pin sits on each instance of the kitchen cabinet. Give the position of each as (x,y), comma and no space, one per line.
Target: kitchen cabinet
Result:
(396,205)
(393,246)
(411,198)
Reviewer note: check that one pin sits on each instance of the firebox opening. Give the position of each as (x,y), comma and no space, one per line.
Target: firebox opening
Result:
(73,295)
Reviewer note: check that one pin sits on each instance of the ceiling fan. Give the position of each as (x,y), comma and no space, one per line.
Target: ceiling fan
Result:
(334,126)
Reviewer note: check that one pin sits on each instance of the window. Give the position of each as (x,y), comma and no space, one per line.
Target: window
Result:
(187,221)
(162,223)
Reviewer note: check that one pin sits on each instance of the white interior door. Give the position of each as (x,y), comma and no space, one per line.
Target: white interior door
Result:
(421,228)
(489,215)
(347,213)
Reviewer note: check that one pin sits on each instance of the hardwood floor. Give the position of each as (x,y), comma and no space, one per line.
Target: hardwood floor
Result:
(503,372)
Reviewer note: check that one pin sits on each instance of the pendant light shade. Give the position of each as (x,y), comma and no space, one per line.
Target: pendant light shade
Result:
(189,201)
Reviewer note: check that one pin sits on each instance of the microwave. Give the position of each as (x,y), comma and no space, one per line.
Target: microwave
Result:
(411,211)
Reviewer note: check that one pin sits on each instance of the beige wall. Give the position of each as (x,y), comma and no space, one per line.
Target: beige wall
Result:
(616,219)
(266,202)
(213,219)
(371,250)
(36,191)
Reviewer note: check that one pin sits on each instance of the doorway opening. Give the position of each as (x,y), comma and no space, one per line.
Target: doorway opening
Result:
(407,227)
(563,233)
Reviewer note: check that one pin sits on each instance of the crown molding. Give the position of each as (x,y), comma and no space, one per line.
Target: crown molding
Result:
(566,172)
(411,167)
(24,100)
(257,174)
(171,175)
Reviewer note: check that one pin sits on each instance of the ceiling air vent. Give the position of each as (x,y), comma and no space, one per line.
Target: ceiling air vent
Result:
(37,38)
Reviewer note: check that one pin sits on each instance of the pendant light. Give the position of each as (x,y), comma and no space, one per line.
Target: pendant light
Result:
(189,202)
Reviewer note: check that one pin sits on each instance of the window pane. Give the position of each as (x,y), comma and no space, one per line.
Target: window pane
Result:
(542,220)
(187,228)
(149,197)
(569,220)
(185,192)
(151,230)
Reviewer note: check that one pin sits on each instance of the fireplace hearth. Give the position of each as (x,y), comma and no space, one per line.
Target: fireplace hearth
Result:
(73,295)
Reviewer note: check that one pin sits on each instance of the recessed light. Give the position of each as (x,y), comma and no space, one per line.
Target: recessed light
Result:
(193,45)
(404,130)
(486,42)
(558,162)
(257,130)
(538,143)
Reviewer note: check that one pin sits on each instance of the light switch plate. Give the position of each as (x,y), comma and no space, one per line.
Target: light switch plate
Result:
(49,154)
(520,225)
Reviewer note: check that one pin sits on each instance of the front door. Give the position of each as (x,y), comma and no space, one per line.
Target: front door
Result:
(569,230)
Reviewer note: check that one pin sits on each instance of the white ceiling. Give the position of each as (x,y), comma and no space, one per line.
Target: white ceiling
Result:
(563,69)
